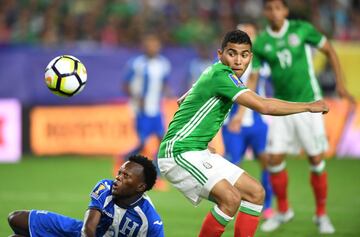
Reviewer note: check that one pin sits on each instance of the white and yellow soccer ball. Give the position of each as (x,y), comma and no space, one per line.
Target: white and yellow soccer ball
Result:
(65,76)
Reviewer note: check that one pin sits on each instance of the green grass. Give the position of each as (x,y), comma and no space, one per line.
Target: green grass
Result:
(62,184)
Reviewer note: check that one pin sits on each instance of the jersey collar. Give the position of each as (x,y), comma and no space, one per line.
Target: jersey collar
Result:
(282,31)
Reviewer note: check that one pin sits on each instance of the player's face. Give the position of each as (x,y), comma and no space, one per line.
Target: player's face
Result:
(276,13)
(129,181)
(152,45)
(236,56)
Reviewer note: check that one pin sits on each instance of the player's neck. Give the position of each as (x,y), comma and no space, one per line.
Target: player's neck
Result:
(277,28)
(128,202)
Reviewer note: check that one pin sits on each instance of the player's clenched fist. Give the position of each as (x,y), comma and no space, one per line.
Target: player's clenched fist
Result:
(319,106)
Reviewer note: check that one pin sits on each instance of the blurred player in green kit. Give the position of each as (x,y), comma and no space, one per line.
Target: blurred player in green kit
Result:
(286,46)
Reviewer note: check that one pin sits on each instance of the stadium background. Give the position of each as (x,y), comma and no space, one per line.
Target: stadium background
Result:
(49,139)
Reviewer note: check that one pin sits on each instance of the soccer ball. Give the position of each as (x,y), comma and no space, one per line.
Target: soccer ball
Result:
(65,76)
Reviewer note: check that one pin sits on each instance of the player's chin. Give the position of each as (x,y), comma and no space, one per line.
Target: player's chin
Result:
(238,71)
(114,191)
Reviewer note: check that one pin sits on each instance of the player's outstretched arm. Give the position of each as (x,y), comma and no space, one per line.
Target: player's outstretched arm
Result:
(91,220)
(235,123)
(331,55)
(271,106)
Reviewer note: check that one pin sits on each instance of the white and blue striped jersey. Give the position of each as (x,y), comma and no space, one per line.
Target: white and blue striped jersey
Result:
(138,220)
(147,77)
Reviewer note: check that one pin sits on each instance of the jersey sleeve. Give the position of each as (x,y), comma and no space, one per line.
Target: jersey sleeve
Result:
(98,194)
(228,85)
(157,230)
(312,35)
(156,227)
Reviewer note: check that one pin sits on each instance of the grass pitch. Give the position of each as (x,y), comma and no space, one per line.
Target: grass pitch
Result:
(63,184)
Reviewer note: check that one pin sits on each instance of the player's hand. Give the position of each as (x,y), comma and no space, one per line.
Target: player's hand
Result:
(343,93)
(235,125)
(319,107)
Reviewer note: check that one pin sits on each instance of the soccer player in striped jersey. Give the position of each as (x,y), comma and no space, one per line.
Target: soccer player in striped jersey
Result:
(145,83)
(183,156)
(117,208)
(286,46)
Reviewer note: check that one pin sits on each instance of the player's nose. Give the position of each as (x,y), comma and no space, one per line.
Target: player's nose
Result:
(237,60)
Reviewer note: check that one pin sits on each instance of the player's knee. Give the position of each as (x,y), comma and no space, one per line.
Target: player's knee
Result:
(315,160)
(276,160)
(231,201)
(257,196)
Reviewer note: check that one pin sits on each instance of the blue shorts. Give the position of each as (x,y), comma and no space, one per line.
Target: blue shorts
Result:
(146,126)
(49,224)
(236,143)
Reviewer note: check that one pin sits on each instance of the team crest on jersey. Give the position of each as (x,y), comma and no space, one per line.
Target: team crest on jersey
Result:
(267,48)
(98,191)
(207,165)
(293,40)
(236,80)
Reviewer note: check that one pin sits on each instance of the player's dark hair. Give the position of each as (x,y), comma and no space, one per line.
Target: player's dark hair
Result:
(283,2)
(150,173)
(236,37)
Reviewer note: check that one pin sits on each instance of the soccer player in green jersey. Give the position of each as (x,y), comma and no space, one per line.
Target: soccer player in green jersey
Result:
(285,46)
(186,162)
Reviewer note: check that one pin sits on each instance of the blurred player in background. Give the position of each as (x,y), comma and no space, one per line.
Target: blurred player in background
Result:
(145,84)
(247,129)
(117,208)
(183,155)
(204,59)
(285,46)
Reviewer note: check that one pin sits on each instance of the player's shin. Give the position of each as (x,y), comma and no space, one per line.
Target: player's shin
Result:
(214,223)
(279,181)
(247,219)
(318,179)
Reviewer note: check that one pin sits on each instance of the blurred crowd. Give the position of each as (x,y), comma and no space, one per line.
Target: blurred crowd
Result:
(177,22)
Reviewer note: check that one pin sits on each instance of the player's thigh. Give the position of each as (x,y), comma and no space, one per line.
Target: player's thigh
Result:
(250,189)
(311,132)
(281,137)
(45,223)
(195,173)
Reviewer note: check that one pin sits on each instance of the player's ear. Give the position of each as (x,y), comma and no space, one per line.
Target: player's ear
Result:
(219,53)
(286,13)
(141,187)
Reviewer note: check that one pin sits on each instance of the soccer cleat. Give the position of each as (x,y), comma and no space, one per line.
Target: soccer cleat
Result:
(268,213)
(324,224)
(274,222)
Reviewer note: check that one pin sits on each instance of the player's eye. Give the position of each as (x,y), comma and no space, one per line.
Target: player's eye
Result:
(245,54)
(232,54)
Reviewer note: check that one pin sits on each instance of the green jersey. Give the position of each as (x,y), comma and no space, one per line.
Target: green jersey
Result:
(203,111)
(288,53)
